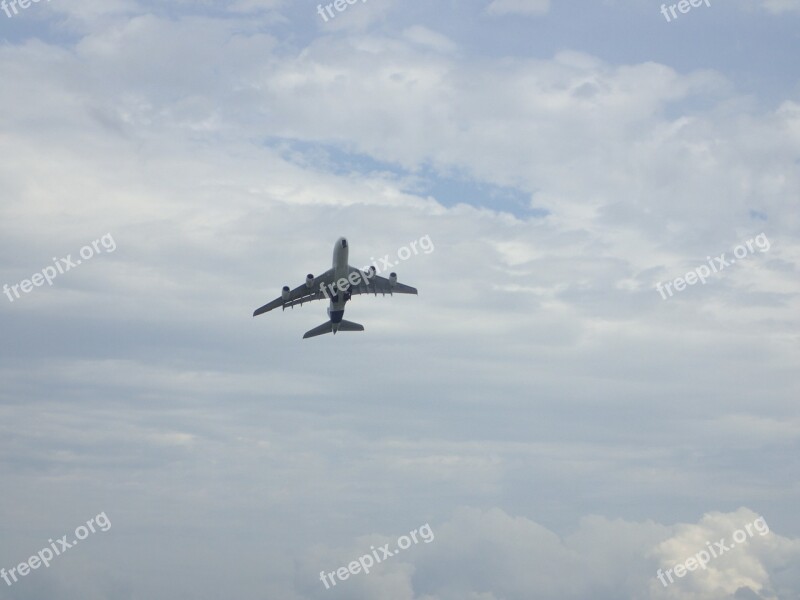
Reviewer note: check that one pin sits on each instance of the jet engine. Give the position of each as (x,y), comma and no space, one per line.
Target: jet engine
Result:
(309,281)
(285,292)
(393,279)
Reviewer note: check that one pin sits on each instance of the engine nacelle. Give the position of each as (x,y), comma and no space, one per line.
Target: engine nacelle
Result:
(371,271)
(393,279)
(309,281)
(285,292)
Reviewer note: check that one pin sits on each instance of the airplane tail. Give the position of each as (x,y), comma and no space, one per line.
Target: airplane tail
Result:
(327,327)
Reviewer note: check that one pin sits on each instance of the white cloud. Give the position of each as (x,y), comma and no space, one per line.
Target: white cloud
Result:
(491,554)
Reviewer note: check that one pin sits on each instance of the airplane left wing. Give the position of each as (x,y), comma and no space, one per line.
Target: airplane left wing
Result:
(301,294)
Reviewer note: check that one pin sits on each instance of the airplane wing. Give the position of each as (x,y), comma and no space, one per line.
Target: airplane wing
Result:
(299,295)
(375,284)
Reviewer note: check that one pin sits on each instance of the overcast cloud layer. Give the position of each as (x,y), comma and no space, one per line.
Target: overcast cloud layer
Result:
(566,430)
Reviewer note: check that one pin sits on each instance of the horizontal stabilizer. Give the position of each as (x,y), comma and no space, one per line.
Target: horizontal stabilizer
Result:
(350,326)
(326,327)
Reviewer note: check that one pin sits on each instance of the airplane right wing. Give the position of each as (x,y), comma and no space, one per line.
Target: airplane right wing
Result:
(370,283)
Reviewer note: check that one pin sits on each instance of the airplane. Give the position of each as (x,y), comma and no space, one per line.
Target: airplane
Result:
(338,284)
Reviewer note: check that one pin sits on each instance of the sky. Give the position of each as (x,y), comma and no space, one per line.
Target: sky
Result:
(594,394)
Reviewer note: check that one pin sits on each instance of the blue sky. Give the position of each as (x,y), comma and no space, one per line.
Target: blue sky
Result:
(565,430)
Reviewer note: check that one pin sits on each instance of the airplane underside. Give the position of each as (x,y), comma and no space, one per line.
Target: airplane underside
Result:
(338,285)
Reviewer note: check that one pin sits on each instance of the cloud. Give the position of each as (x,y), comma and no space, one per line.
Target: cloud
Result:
(489,554)
(519,7)
(780,6)
(538,370)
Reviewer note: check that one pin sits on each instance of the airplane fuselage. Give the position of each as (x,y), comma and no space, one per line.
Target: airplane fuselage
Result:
(341,270)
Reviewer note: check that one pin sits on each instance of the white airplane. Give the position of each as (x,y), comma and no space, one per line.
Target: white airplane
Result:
(338,285)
